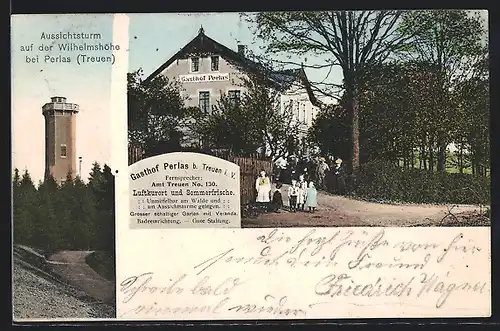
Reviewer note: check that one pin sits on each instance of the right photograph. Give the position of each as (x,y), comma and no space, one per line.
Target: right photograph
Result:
(335,118)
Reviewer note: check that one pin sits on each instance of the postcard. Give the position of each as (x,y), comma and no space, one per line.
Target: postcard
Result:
(251,166)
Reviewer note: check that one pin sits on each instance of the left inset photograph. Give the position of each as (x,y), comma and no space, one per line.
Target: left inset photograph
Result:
(63,220)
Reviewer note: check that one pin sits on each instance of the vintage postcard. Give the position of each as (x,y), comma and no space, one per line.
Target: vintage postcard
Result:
(274,165)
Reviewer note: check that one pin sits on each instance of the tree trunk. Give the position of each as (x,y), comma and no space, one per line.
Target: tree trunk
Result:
(431,153)
(461,158)
(473,163)
(355,134)
(441,158)
(423,156)
(412,157)
(423,152)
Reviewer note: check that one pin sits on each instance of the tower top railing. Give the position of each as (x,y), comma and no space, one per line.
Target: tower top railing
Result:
(59,103)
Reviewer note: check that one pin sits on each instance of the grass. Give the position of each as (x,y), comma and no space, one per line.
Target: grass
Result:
(103,263)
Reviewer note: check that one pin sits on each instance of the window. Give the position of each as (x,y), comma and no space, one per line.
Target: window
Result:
(234,97)
(215,63)
(195,64)
(204,99)
(64,151)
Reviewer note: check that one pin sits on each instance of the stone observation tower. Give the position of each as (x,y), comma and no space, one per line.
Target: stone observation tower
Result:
(60,138)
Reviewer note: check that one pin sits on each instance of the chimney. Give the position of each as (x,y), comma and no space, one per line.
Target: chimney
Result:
(241,50)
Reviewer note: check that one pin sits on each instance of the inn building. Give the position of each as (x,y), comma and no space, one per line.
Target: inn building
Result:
(207,69)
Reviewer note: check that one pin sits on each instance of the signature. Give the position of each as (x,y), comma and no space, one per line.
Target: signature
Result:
(275,307)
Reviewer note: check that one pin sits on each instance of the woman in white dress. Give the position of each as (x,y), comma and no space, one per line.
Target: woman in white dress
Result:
(263,188)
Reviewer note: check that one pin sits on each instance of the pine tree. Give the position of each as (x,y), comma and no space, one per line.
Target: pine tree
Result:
(48,235)
(24,208)
(82,215)
(65,221)
(107,210)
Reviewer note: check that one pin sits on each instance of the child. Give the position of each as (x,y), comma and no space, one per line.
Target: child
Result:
(301,199)
(311,198)
(292,196)
(277,202)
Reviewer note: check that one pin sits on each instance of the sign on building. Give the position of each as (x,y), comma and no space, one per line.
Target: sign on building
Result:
(203,78)
(184,190)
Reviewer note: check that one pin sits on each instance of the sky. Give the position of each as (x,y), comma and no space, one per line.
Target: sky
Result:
(154,38)
(33,84)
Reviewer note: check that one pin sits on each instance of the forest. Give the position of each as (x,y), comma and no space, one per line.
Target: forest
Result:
(73,215)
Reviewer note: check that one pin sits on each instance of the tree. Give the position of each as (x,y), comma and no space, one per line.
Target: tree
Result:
(473,132)
(24,208)
(48,235)
(96,178)
(330,130)
(83,231)
(105,211)
(451,41)
(253,123)
(355,41)
(399,103)
(16,179)
(156,112)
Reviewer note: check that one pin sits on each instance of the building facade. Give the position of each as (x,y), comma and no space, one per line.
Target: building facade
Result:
(60,138)
(207,70)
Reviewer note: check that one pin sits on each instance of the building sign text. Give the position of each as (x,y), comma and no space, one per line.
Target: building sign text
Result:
(202,78)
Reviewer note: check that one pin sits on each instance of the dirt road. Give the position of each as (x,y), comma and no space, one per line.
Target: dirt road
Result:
(341,211)
(64,287)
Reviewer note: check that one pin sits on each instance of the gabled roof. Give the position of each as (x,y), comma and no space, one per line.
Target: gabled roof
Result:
(204,45)
(288,77)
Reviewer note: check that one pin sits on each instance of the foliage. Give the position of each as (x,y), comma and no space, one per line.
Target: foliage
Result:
(69,216)
(441,48)
(452,42)
(250,124)
(382,180)
(156,111)
(353,40)
(473,131)
(330,131)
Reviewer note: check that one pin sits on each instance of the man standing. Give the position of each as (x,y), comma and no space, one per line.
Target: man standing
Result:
(339,176)
(280,166)
(322,170)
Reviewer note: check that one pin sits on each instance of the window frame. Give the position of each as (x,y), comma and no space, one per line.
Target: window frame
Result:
(61,151)
(212,63)
(207,93)
(191,64)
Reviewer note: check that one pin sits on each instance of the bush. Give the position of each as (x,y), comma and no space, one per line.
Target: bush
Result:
(385,181)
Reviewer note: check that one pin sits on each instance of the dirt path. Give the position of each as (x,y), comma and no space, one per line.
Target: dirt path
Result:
(72,266)
(341,211)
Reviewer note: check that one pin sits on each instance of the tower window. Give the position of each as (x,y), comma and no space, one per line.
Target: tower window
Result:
(195,64)
(215,63)
(204,99)
(64,151)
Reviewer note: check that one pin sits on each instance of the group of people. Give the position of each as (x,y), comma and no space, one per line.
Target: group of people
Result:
(302,195)
(329,173)
(301,174)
